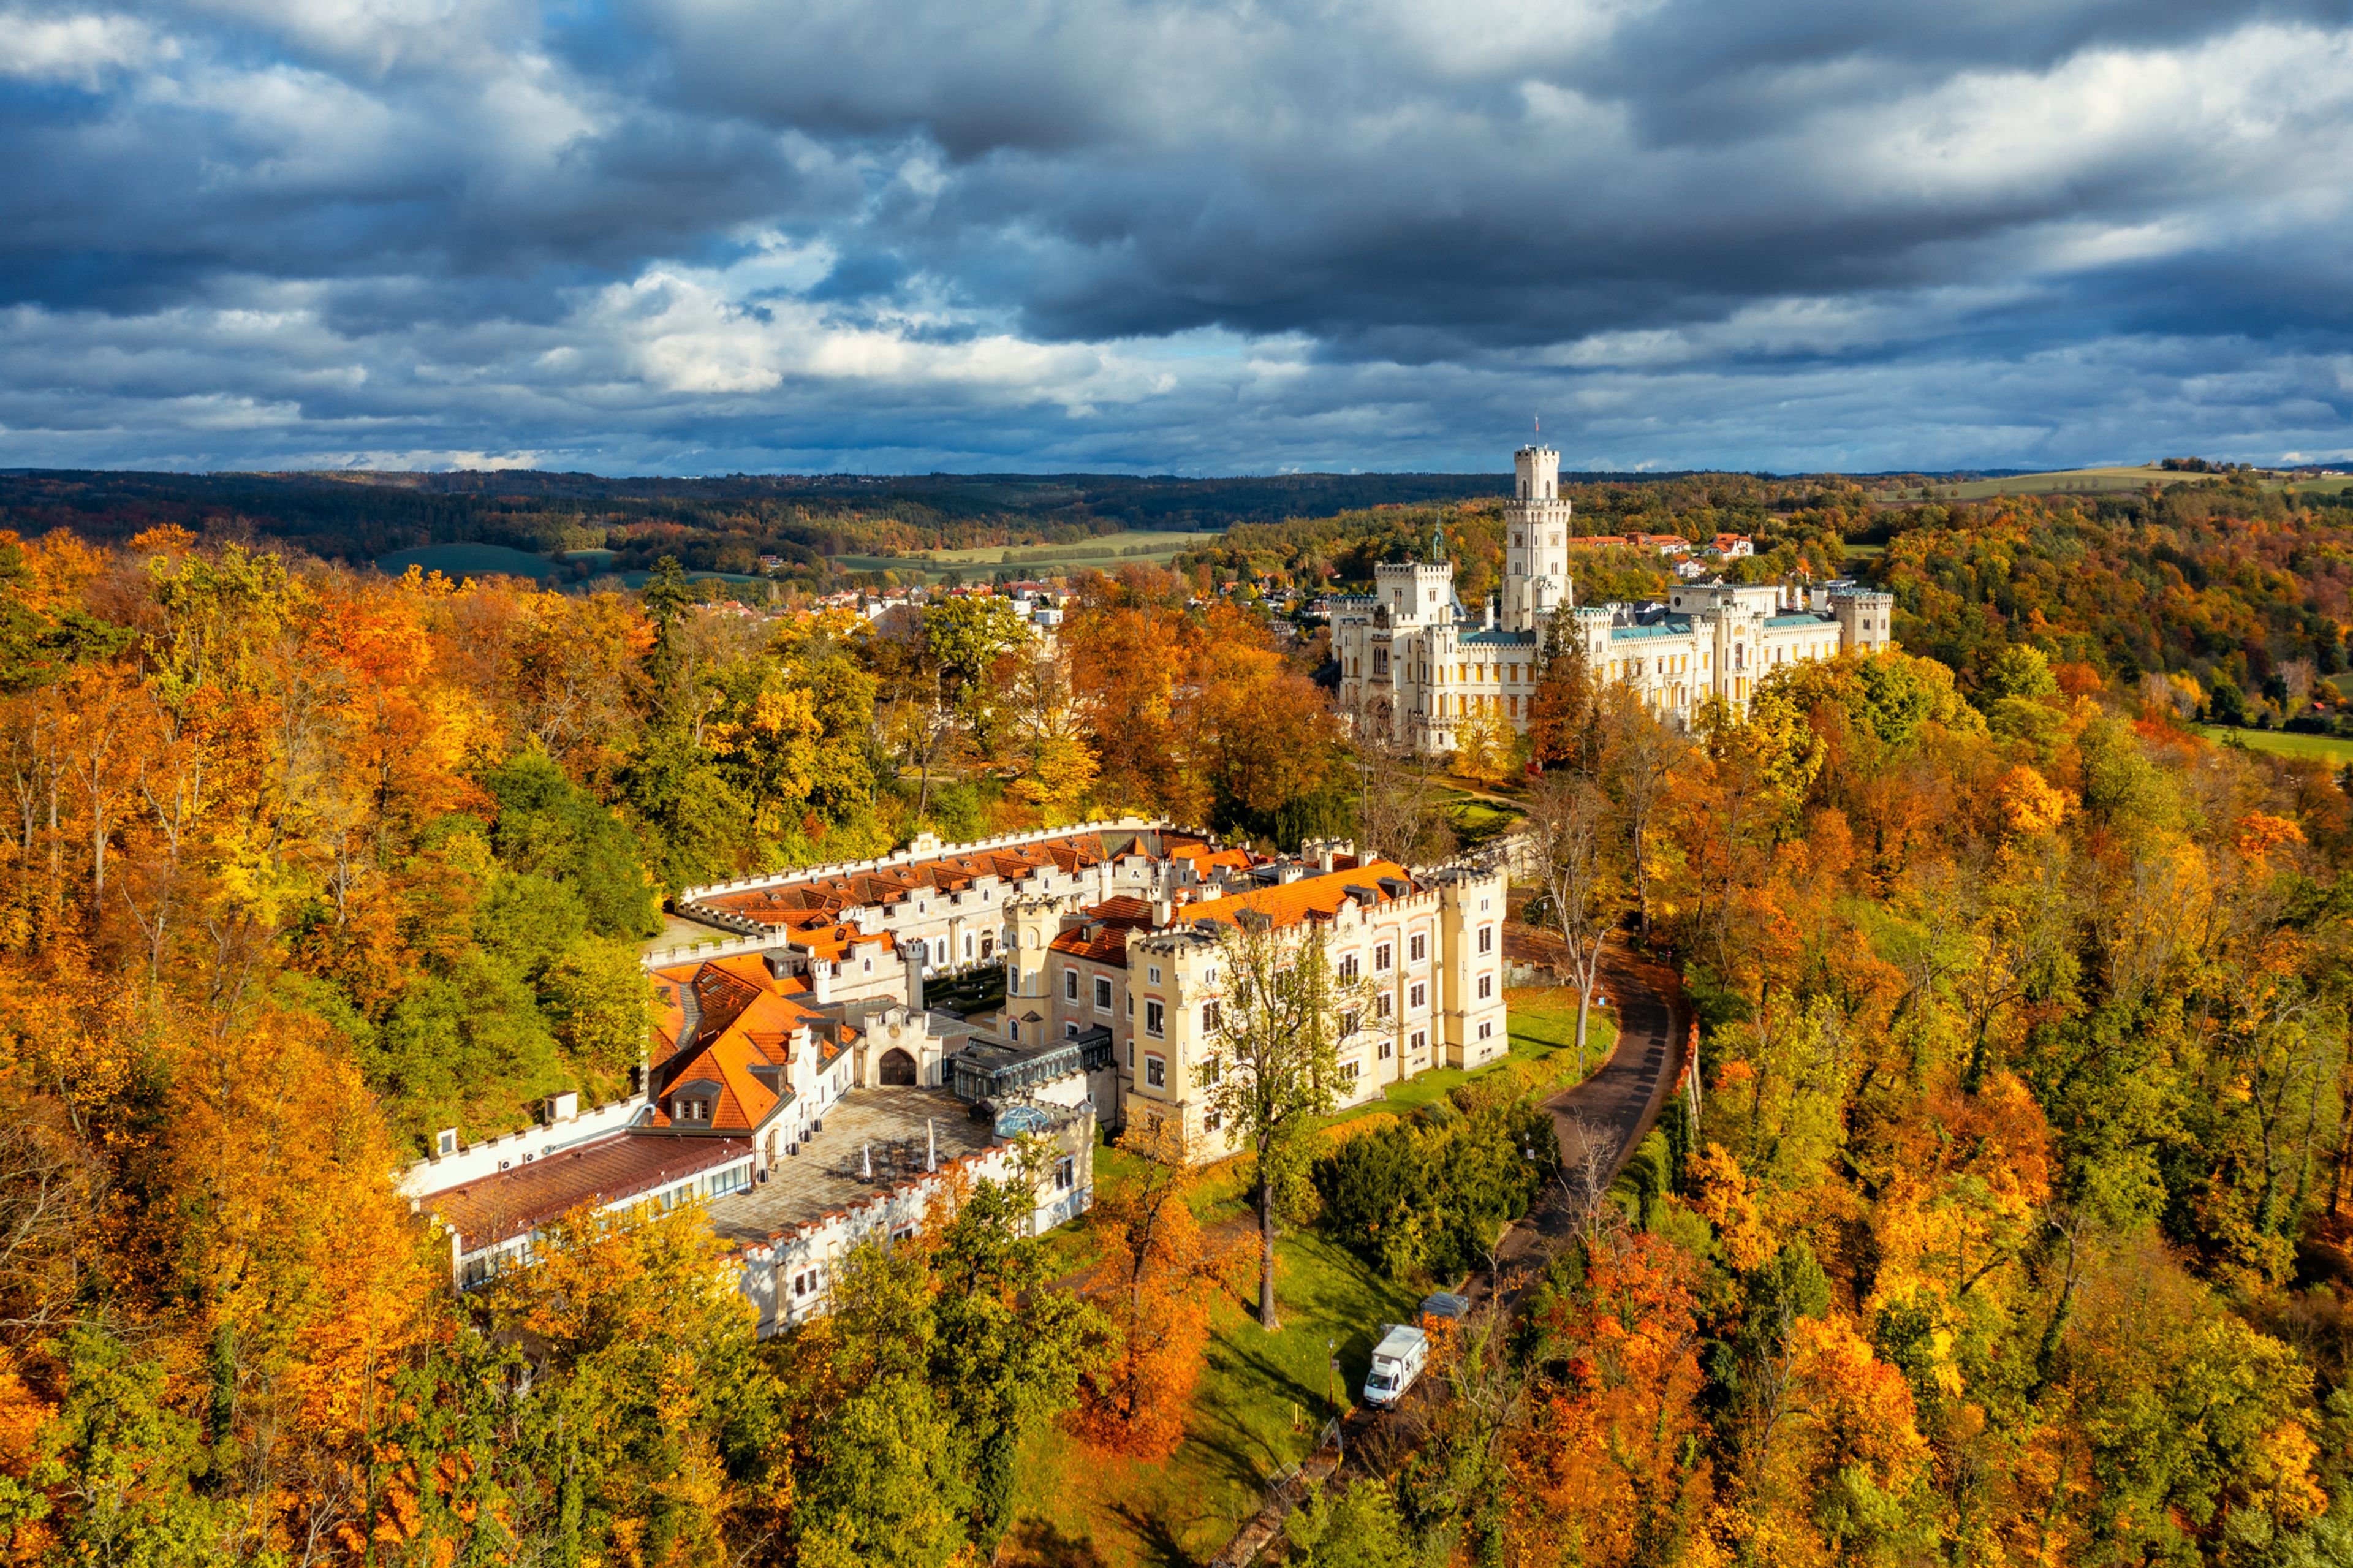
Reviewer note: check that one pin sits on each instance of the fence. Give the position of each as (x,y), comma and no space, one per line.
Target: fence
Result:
(1285,1490)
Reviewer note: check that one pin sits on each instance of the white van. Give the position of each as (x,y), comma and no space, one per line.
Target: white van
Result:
(1398,1360)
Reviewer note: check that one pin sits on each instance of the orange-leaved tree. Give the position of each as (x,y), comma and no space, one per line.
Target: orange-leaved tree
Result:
(1158,1274)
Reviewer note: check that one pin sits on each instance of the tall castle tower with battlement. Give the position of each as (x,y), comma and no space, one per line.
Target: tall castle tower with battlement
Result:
(1536,541)
(1419,669)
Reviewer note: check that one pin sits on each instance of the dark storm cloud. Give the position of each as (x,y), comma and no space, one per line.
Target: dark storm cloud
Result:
(717,234)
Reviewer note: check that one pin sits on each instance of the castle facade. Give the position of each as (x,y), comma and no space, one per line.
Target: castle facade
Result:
(1415,665)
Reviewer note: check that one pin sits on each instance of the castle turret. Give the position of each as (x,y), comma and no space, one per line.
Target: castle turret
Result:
(1863,616)
(1415,593)
(1536,541)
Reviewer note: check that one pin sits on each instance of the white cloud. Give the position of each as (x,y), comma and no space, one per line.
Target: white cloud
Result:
(81,48)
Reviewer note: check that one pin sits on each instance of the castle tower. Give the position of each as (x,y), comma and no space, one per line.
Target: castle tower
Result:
(1415,593)
(1536,541)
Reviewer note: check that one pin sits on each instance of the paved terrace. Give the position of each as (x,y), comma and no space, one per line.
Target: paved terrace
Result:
(828,1171)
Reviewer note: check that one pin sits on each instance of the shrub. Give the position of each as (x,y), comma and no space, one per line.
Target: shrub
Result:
(1424,1198)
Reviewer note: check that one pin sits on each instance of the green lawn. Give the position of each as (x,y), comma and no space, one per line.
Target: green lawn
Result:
(1261,1404)
(470,560)
(1262,1398)
(2335,749)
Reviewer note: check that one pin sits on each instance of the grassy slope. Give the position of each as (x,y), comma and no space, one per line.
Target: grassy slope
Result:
(2329,748)
(470,560)
(1107,551)
(1262,1398)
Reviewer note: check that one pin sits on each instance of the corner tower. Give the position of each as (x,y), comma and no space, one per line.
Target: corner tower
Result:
(1536,540)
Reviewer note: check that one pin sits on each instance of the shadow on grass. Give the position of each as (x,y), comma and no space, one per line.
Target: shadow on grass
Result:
(1041,1543)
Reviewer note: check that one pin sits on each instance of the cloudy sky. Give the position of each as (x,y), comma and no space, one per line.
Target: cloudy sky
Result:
(697,236)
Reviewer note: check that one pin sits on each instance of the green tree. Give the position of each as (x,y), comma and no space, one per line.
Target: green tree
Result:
(602,1004)
(127,1462)
(893,1485)
(1278,1044)
(1008,1350)
(549,825)
(1355,1527)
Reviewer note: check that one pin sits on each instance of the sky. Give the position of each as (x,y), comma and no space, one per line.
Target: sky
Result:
(638,236)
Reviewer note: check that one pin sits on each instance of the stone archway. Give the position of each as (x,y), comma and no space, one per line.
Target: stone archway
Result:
(896,1067)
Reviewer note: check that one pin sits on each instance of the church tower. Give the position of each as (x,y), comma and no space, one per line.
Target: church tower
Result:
(1536,541)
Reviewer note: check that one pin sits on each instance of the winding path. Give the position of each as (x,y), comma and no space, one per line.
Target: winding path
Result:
(1601,1121)
(1598,1123)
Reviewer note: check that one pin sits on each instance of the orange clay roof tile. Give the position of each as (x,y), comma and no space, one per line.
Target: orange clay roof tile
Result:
(1103,936)
(1310,898)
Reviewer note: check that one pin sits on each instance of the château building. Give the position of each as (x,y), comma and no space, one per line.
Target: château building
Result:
(823,1072)
(1414,664)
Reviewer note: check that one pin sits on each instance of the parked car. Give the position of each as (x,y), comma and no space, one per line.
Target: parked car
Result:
(1398,1360)
(1445,1306)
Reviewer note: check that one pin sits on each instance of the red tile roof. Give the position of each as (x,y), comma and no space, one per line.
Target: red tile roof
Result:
(608,1171)
(747,1019)
(1102,935)
(818,901)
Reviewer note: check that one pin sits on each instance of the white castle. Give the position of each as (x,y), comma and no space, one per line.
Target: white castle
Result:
(1414,662)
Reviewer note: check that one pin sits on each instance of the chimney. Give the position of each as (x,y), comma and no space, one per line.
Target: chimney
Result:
(1487,612)
(820,981)
(1163,909)
(562,1106)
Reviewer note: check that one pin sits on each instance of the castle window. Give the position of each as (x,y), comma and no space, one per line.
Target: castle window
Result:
(1069,984)
(1420,1041)
(1154,1019)
(1348,967)
(1349,1072)
(1485,1030)
(1385,1050)
(1486,986)
(1156,1071)
(1381,958)
(1419,999)
(1103,994)
(1211,1017)
(1486,939)
(1381,1006)
(1418,949)
(1152,973)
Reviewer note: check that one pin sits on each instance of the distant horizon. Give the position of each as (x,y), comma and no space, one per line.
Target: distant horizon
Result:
(1955,474)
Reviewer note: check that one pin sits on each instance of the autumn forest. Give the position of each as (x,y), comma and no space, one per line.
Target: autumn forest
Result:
(2005,1221)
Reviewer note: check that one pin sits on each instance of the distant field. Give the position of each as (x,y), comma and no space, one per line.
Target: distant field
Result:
(2327,748)
(1104,551)
(497,560)
(470,560)
(2063,479)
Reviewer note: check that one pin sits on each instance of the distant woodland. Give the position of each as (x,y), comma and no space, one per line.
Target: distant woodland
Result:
(708,524)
